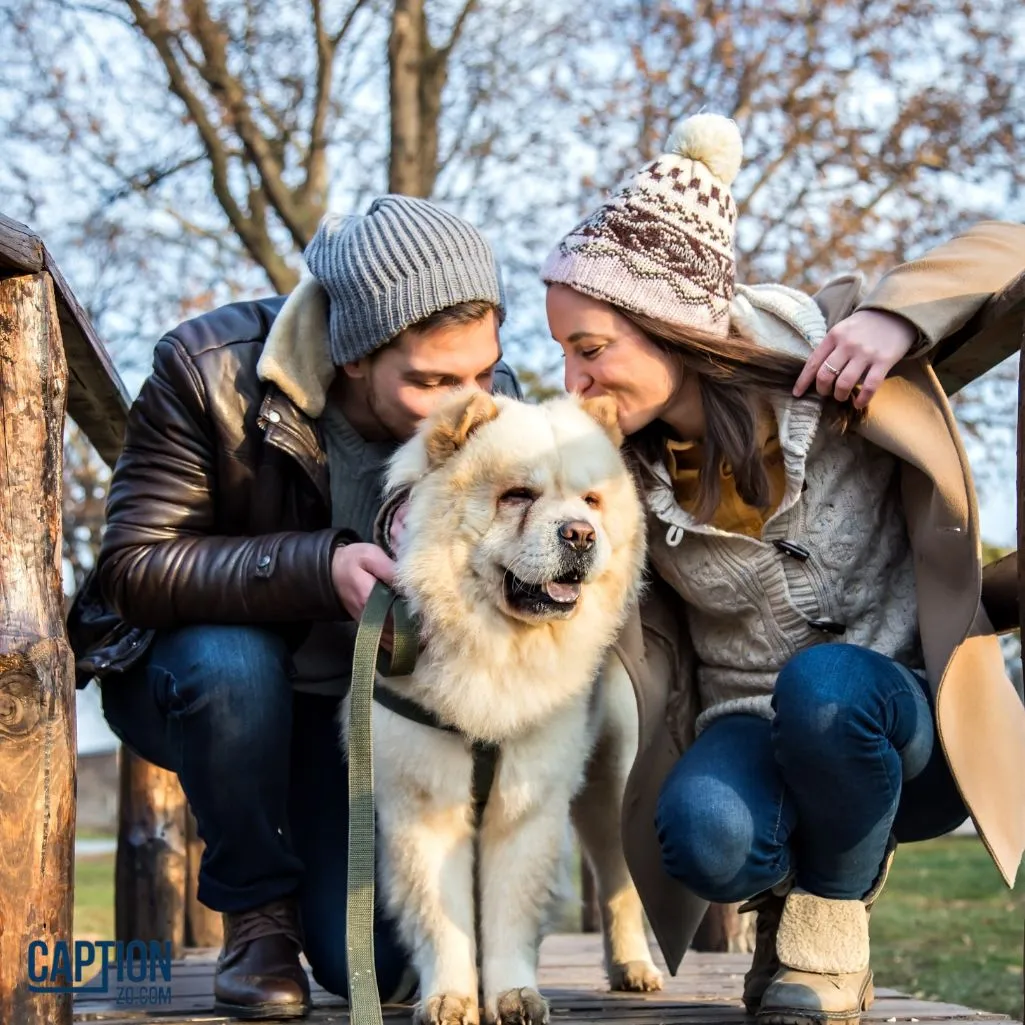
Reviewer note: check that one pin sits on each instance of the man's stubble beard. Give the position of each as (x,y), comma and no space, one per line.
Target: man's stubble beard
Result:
(398,432)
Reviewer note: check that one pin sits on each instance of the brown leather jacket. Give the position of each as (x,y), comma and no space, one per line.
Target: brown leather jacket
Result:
(219,506)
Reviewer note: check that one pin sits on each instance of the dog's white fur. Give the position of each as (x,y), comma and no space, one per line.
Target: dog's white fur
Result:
(547,690)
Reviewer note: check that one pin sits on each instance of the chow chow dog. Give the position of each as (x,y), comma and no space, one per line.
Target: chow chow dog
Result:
(522,551)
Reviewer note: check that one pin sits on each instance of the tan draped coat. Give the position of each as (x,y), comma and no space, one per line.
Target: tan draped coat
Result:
(981,717)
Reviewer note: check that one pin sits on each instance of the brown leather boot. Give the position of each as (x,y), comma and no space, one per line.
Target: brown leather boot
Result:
(258,972)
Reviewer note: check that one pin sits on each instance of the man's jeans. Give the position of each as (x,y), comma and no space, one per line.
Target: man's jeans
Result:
(264,774)
(850,756)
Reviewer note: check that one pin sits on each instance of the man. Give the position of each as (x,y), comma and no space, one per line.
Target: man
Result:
(235,565)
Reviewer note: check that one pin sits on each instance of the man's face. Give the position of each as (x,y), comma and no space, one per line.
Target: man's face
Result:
(406,380)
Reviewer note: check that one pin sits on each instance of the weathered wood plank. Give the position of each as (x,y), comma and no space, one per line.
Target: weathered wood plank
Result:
(96,397)
(1000,592)
(1021,494)
(21,250)
(705,990)
(37,693)
(985,341)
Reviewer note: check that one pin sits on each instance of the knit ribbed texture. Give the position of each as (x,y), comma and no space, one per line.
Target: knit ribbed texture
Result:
(751,606)
(662,244)
(356,472)
(395,265)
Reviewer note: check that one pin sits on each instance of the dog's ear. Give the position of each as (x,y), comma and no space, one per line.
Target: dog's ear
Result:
(603,410)
(455,421)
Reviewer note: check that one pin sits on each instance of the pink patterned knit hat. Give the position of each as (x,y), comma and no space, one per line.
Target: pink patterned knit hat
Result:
(662,244)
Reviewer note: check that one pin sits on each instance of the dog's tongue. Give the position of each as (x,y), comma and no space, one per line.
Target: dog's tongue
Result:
(564,593)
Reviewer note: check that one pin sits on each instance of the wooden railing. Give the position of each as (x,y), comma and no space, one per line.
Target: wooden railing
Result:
(52,363)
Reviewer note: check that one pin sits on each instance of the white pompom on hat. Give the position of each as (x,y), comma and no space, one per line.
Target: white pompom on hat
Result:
(662,244)
(711,139)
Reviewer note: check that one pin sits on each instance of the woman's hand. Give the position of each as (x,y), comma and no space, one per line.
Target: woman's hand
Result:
(864,347)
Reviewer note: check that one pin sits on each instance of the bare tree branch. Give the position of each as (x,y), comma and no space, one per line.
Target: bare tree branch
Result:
(313,192)
(443,53)
(228,91)
(343,31)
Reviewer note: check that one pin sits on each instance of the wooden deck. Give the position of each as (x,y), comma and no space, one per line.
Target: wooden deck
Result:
(706,990)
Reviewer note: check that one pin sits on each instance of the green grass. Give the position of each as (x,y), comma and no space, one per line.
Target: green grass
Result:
(85,833)
(945,928)
(94,897)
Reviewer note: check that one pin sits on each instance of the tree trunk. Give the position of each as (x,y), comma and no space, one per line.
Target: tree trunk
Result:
(722,930)
(416,80)
(203,927)
(37,690)
(150,871)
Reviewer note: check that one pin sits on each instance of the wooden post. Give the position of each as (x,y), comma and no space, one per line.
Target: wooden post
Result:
(723,931)
(157,867)
(1021,490)
(37,722)
(590,914)
(203,927)
(150,869)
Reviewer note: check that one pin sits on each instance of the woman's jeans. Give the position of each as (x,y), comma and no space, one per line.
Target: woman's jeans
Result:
(264,774)
(850,757)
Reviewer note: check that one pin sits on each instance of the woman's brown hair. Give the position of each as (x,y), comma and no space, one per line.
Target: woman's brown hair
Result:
(735,376)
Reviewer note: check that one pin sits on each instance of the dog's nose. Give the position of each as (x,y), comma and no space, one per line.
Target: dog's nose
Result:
(577,534)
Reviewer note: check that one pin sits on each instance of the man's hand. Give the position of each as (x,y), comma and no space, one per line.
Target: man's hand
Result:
(355,569)
(866,345)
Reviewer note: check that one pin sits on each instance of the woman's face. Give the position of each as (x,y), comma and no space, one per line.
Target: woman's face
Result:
(606,354)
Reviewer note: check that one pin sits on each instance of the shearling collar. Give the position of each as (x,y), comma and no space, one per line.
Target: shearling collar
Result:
(297,354)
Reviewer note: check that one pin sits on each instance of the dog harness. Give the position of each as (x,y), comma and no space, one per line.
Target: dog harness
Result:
(484,754)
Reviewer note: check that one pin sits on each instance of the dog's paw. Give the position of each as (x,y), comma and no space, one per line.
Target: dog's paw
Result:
(521,1007)
(447,1009)
(635,977)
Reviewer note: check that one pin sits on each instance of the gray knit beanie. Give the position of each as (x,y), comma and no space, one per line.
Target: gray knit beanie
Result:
(395,265)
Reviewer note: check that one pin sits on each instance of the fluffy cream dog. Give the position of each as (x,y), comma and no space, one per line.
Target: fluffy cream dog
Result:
(523,548)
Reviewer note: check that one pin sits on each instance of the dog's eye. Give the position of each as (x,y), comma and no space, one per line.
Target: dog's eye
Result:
(518,495)
(593,500)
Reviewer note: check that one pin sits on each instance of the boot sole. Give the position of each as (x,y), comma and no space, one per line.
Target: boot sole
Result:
(802,1016)
(262,1012)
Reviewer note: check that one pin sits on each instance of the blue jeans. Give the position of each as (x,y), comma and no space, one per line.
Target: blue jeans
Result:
(264,774)
(850,757)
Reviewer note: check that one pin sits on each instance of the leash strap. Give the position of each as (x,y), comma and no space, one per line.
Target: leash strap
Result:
(368,659)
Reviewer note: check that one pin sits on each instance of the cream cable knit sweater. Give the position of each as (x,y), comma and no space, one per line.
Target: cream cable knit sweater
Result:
(751,605)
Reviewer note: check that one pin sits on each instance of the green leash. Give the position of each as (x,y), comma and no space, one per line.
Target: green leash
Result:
(364,999)
(368,660)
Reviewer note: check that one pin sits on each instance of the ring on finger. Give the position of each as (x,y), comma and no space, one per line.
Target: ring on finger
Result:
(826,365)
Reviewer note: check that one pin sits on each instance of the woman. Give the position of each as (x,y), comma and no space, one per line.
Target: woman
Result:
(816,573)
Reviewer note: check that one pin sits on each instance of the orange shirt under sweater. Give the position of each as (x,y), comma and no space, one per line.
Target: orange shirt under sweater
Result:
(683,461)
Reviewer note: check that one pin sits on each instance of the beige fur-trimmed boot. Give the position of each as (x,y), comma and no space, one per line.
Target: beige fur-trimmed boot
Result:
(824,975)
(823,951)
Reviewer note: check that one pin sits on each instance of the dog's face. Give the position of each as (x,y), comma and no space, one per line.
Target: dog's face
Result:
(528,509)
